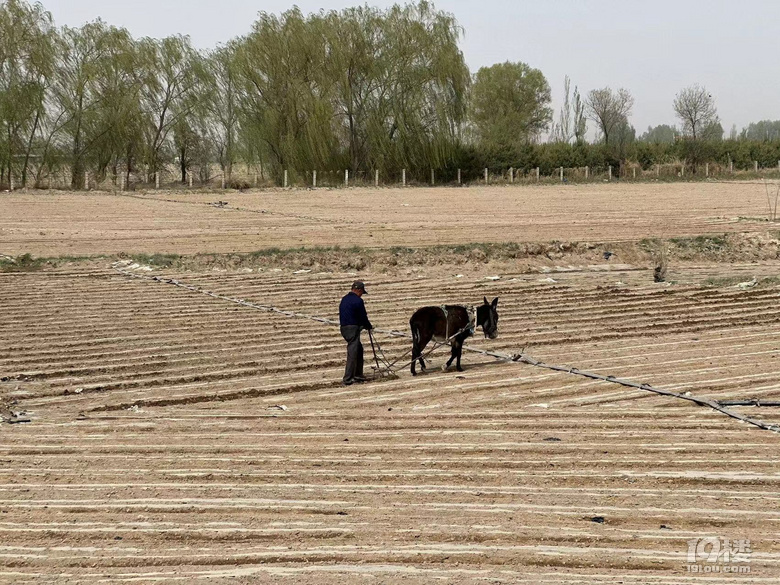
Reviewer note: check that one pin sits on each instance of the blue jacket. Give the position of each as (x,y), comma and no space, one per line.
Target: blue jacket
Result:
(352,311)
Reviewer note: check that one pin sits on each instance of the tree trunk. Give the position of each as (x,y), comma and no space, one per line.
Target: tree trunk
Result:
(29,148)
(77,165)
(183,164)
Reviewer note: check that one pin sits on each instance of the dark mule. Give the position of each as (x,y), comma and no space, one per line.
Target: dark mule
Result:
(450,321)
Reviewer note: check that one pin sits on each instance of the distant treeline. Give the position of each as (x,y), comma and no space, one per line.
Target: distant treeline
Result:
(362,89)
(739,154)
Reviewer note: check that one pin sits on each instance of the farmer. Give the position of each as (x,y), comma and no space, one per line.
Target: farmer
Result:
(353,319)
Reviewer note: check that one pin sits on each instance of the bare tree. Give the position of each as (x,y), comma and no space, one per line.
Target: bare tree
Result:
(609,109)
(696,108)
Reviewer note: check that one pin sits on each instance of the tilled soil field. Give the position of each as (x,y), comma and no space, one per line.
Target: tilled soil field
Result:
(75,224)
(176,436)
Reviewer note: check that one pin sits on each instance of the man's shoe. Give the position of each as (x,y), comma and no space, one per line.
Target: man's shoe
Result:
(347,382)
(359,379)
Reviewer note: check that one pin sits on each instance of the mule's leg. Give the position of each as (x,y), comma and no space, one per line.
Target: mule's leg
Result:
(452,357)
(457,349)
(419,341)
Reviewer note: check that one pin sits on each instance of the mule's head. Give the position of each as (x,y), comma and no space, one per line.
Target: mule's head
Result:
(487,318)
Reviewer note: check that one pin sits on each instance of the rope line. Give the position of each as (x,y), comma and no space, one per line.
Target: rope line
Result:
(512,358)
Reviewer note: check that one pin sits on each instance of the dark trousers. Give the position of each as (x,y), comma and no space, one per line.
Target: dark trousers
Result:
(351,334)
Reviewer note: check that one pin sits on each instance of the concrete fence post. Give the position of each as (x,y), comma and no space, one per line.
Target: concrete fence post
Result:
(11,180)
(157,180)
(459,176)
(609,170)
(433,178)
(346,177)
(189,179)
(537,174)
(314,179)
(634,170)
(657,170)
(403,177)
(255,179)
(86,180)
(376,178)
(755,166)
(285,178)
(222,180)
(486,176)
(587,172)
(706,169)
(122,181)
(682,170)
(511,175)
(731,166)
(561,174)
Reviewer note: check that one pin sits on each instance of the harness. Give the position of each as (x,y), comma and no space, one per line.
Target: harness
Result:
(446,321)
(471,311)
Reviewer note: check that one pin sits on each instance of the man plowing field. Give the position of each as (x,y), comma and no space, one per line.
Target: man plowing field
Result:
(353,319)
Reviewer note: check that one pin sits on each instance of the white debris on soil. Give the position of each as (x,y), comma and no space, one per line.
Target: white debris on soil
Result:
(492,278)
(302,272)
(136,266)
(747,283)
(548,279)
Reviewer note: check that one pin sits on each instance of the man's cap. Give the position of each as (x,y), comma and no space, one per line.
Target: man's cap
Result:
(359,285)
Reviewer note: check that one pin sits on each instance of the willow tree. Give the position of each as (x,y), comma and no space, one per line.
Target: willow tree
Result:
(172,75)
(398,82)
(219,102)
(362,88)
(424,88)
(118,87)
(91,92)
(27,53)
(283,112)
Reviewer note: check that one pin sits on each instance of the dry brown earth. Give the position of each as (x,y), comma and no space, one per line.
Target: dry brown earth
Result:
(61,223)
(179,437)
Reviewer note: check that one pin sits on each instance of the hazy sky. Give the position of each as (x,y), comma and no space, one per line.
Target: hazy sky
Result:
(652,49)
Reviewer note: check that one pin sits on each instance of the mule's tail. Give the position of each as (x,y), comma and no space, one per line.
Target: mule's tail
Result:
(415,335)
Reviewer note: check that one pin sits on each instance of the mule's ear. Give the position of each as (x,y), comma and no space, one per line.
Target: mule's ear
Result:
(494,304)
(485,298)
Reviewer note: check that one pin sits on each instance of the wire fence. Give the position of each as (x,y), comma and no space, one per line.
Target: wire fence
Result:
(255,176)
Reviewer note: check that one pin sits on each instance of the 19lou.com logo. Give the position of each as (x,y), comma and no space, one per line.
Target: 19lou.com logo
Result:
(719,555)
